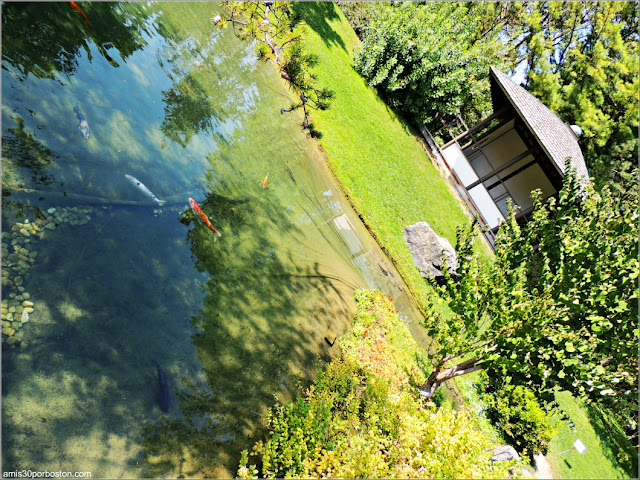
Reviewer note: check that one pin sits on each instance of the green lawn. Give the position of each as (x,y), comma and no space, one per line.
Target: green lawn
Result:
(382,168)
(604,445)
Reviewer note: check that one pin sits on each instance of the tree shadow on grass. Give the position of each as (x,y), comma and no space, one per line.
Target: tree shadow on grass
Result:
(615,445)
(410,127)
(317,16)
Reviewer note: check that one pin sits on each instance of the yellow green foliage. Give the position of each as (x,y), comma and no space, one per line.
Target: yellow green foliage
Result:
(363,417)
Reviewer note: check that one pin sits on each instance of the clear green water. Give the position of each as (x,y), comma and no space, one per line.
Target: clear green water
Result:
(235,323)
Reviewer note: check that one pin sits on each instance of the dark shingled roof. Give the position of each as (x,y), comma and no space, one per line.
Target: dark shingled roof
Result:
(555,136)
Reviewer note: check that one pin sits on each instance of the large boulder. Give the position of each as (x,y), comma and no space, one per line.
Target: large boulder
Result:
(427,250)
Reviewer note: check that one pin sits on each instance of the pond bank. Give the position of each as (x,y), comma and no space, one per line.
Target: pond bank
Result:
(363,417)
(375,156)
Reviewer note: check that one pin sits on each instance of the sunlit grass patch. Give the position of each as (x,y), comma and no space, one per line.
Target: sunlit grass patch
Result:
(601,459)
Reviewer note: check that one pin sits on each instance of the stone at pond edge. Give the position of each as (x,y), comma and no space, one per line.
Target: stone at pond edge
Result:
(426,249)
(330,337)
(8,331)
(504,454)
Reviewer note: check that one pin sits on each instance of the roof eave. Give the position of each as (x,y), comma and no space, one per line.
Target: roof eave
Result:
(495,81)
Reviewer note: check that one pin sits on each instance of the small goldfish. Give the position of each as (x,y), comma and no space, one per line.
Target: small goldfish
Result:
(75,6)
(196,208)
(266,179)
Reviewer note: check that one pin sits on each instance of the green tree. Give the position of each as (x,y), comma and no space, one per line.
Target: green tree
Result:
(581,60)
(428,60)
(559,305)
(360,14)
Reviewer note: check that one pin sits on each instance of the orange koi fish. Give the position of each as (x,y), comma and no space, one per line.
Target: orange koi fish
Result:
(75,6)
(196,208)
(266,179)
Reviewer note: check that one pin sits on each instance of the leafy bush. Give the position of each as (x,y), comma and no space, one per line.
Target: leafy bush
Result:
(359,14)
(363,417)
(427,59)
(525,424)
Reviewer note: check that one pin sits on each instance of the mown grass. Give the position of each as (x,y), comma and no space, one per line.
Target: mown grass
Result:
(374,154)
(606,447)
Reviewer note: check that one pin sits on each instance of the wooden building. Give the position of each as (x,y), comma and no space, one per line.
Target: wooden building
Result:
(521,147)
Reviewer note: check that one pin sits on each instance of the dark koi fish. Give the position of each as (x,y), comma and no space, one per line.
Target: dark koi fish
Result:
(75,6)
(83,125)
(196,208)
(162,385)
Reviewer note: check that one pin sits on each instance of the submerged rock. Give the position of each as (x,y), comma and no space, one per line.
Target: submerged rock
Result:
(227,437)
(427,249)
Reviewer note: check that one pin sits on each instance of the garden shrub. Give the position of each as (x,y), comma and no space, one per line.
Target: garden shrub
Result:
(364,418)
(515,410)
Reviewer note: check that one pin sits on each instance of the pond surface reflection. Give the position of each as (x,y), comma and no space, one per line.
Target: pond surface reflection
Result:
(107,277)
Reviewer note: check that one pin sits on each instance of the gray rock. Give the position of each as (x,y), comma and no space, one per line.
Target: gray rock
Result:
(504,454)
(426,249)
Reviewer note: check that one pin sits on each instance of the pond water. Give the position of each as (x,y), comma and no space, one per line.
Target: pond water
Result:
(97,277)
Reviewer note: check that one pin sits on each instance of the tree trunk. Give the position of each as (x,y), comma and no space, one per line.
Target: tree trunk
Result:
(438,375)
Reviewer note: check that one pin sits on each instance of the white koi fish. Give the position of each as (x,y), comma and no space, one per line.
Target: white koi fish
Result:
(140,186)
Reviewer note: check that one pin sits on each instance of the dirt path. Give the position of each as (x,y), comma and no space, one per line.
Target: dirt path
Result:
(543,469)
